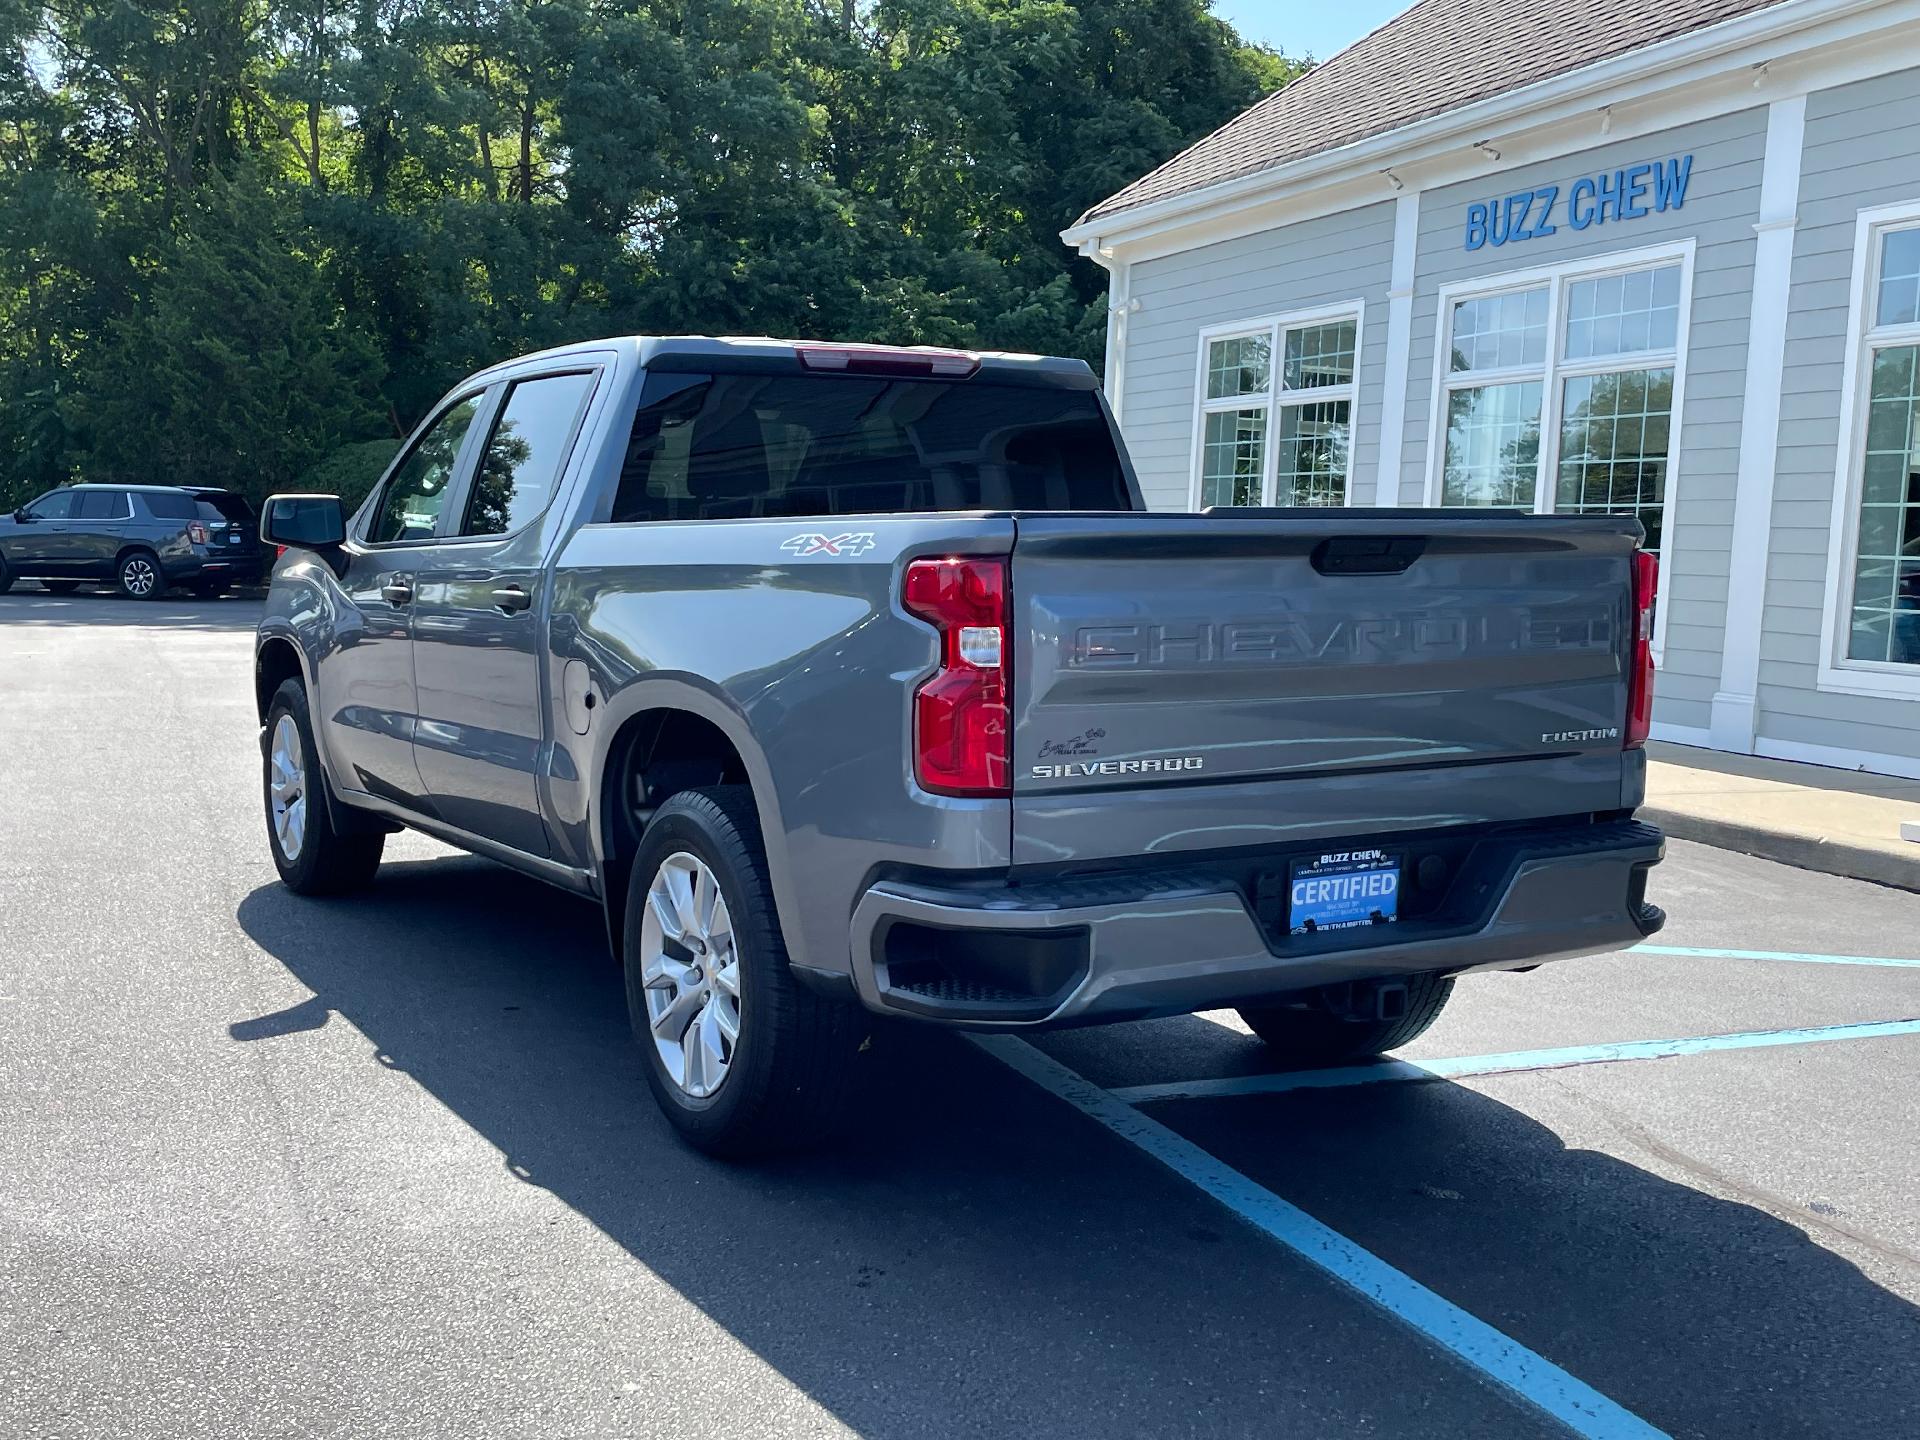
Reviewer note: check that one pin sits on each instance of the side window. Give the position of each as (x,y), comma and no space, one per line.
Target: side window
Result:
(57,506)
(410,506)
(525,454)
(102,505)
(168,504)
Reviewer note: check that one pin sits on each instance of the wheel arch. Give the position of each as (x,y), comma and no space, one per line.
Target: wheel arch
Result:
(670,736)
(276,661)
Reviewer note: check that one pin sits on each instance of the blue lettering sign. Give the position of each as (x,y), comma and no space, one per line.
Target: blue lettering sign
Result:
(1670,183)
(1476,225)
(1579,215)
(1649,188)
(1546,198)
(1633,186)
(1607,188)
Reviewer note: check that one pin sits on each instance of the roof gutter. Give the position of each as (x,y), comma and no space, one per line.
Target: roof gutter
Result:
(1569,91)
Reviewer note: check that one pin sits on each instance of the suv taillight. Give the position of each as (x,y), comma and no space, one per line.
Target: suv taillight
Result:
(196,532)
(961,714)
(1646,583)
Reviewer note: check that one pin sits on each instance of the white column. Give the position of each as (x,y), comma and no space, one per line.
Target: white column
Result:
(1733,719)
(1393,389)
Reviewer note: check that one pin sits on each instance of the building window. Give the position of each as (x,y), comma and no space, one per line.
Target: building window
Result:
(1557,394)
(1877,519)
(1276,410)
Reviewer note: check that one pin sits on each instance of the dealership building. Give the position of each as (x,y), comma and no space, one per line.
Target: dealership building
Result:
(1647,257)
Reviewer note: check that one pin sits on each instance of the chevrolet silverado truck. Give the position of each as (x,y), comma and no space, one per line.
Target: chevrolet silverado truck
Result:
(855,681)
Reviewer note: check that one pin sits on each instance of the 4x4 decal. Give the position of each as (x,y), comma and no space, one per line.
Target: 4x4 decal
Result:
(816,544)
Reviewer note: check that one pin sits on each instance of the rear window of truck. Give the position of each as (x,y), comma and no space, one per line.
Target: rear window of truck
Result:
(716,447)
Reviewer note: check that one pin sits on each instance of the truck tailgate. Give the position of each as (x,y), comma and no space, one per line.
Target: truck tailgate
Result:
(1192,682)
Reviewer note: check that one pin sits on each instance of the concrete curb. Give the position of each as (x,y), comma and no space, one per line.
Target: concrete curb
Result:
(1808,852)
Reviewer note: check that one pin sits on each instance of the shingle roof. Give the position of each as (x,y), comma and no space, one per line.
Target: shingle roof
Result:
(1437,56)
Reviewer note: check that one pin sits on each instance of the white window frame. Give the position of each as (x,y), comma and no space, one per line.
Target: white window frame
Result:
(1884,678)
(1275,398)
(1553,370)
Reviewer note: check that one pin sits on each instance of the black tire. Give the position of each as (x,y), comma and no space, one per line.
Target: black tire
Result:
(139,575)
(792,1068)
(1314,1029)
(327,860)
(60,587)
(6,576)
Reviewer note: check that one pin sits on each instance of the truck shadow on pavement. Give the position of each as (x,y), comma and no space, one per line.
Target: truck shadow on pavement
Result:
(977,1259)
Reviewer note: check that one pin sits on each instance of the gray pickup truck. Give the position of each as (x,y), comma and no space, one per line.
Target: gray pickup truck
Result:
(859,682)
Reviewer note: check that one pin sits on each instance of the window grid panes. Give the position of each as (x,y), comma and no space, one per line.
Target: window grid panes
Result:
(1613,446)
(1312,458)
(1239,365)
(1500,332)
(1884,616)
(1898,301)
(1606,442)
(1233,457)
(1493,445)
(1320,355)
(1625,314)
(1279,403)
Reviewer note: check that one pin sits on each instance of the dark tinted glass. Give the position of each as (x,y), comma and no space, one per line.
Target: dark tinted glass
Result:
(168,504)
(708,447)
(525,454)
(57,506)
(223,506)
(101,505)
(410,505)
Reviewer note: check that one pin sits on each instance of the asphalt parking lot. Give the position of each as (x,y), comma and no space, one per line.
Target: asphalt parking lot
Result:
(271,1166)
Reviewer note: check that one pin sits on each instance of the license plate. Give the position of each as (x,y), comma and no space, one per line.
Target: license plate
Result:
(1342,889)
(235,538)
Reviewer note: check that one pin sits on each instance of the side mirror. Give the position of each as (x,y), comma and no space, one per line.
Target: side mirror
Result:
(305,522)
(23,516)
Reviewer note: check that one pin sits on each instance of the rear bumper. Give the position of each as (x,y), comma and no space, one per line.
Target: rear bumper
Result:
(245,569)
(1167,942)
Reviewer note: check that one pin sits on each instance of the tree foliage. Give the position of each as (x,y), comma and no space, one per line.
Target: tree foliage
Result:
(244,242)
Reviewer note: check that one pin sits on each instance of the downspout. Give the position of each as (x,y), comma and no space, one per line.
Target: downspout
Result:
(1120,305)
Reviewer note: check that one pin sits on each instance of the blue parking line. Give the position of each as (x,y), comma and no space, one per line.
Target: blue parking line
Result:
(1529,1377)
(1795,956)
(1509,1063)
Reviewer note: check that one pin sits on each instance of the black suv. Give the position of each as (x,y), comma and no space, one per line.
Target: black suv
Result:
(143,538)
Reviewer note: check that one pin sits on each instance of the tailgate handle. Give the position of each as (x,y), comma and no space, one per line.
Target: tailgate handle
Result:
(1367,554)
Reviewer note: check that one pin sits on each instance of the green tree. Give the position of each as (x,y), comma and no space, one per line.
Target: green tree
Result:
(235,369)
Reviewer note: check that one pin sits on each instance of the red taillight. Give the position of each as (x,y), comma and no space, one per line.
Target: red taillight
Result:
(961,714)
(1646,583)
(278,551)
(196,532)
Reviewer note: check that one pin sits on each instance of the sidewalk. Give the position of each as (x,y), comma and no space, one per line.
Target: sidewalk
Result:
(1838,821)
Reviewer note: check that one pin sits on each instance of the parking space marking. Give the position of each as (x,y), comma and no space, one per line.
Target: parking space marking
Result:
(1529,1377)
(1509,1063)
(1794,956)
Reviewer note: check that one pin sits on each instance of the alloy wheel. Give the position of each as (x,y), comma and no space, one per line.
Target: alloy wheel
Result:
(287,787)
(691,974)
(139,576)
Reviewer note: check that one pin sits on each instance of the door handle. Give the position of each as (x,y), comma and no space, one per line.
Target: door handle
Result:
(397,591)
(512,599)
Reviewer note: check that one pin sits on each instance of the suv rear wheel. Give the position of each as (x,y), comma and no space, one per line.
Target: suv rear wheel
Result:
(1327,1027)
(311,854)
(140,576)
(740,1057)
